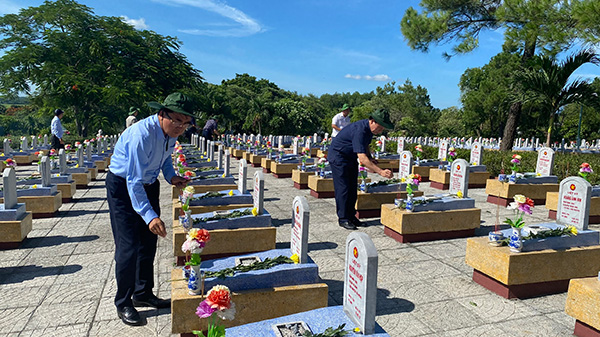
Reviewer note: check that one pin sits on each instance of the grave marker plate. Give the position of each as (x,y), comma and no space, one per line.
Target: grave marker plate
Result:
(574,198)
(476,154)
(242,174)
(9,181)
(300,221)
(545,161)
(259,191)
(406,163)
(400,145)
(360,281)
(459,177)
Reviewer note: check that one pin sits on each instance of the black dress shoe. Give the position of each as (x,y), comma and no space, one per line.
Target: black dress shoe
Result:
(347,225)
(152,301)
(357,222)
(130,316)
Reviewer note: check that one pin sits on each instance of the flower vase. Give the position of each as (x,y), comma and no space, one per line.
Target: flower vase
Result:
(495,238)
(515,241)
(322,172)
(377,155)
(185,272)
(409,203)
(303,167)
(512,179)
(194,280)
(417,162)
(363,186)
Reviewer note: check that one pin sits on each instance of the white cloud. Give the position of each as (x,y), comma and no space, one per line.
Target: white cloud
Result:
(9,7)
(136,23)
(246,25)
(379,78)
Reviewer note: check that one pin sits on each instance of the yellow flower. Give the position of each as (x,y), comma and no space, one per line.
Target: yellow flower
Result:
(459,194)
(520,198)
(403,179)
(539,174)
(223,175)
(295,258)
(205,153)
(190,189)
(254,211)
(573,229)
(34,186)
(208,159)
(20,150)
(518,157)
(230,193)
(76,165)
(201,157)
(474,163)
(356,329)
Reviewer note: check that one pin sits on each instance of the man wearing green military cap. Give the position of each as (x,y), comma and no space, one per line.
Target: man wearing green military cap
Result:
(133,190)
(133,111)
(340,120)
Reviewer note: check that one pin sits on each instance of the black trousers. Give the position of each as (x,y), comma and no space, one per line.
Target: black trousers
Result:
(55,143)
(207,134)
(345,173)
(135,245)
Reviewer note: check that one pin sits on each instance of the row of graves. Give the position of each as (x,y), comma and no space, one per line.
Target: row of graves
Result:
(520,262)
(54,182)
(225,247)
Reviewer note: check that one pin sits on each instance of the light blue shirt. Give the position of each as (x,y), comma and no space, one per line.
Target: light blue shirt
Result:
(56,127)
(139,155)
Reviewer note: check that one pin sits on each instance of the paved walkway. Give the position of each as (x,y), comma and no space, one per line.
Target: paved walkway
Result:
(61,281)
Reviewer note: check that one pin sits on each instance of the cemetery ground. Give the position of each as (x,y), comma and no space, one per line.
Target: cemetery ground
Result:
(60,282)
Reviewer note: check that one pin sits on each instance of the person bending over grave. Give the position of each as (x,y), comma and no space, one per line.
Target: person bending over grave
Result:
(142,151)
(210,128)
(57,130)
(352,143)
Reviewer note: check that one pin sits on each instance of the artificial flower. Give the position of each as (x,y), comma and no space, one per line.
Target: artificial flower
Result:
(230,193)
(254,211)
(459,194)
(295,258)
(223,175)
(520,198)
(34,186)
(521,205)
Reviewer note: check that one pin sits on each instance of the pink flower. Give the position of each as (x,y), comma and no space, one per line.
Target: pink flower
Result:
(204,310)
(525,208)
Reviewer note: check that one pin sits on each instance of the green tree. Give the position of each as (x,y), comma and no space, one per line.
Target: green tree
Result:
(550,86)
(450,123)
(548,26)
(94,67)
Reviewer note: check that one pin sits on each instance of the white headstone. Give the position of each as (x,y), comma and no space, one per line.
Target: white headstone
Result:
(279,141)
(400,145)
(34,142)
(45,140)
(382,139)
(24,145)
(62,161)
(80,155)
(9,181)
(443,150)
(243,173)
(476,154)
(7,149)
(88,152)
(226,164)
(300,220)
(406,163)
(220,157)
(259,191)
(360,281)
(574,198)
(545,161)
(295,146)
(45,171)
(459,177)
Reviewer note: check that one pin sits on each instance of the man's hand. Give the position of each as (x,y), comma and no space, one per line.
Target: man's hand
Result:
(386,174)
(157,226)
(178,181)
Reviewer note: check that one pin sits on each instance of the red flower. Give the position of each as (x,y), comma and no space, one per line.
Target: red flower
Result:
(529,202)
(219,298)
(75,88)
(418,177)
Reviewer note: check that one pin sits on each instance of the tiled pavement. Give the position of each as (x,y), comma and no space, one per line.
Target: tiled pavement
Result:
(61,281)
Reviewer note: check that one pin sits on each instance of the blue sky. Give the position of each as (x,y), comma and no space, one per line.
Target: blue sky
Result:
(307,46)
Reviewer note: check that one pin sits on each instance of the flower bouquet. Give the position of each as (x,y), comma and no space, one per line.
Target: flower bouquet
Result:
(521,205)
(585,170)
(218,302)
(280,154)
(305,155)
(379,148)
(419,150)
(269,150)
(321,165)
(9,162)
(193,245)
(516,162)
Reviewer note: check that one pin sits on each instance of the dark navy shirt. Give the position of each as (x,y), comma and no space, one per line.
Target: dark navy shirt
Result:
(354,138)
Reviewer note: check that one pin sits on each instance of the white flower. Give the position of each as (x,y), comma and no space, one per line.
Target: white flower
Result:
(513,205)
(227,314)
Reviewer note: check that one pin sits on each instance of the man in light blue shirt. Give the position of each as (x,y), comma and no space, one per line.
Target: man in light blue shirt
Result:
(56,128)
(141,153)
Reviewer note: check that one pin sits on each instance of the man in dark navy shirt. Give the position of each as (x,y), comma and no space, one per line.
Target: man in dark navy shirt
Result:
(350,144)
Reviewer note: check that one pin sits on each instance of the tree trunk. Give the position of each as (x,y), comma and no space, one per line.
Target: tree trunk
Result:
(514,113)
(511,126)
